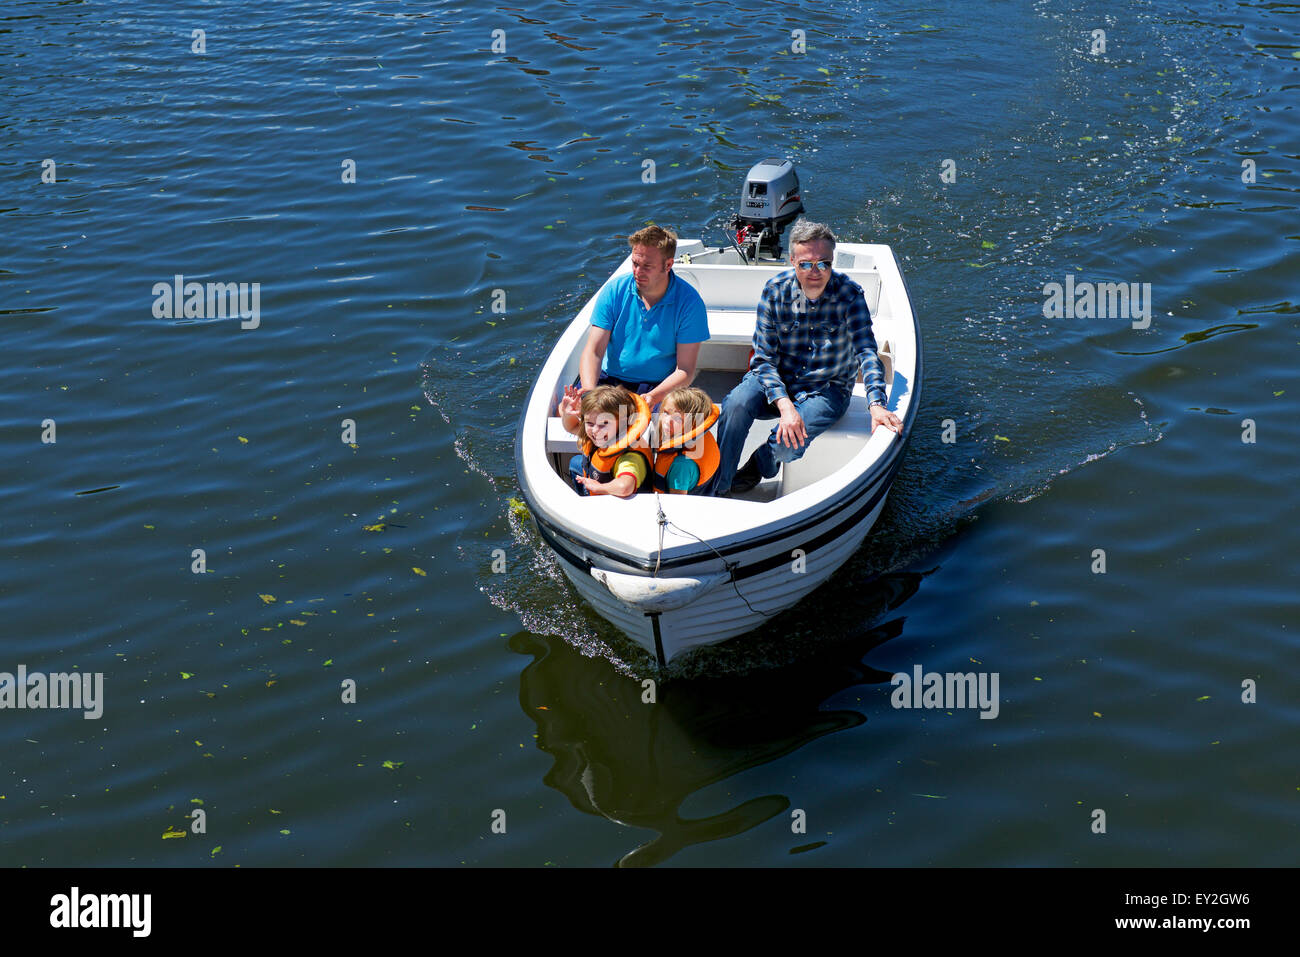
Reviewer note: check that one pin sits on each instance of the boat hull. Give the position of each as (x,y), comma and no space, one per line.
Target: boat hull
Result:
(731,608)
(756,582)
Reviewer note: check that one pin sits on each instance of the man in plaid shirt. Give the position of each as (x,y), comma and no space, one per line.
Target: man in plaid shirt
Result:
(812,336)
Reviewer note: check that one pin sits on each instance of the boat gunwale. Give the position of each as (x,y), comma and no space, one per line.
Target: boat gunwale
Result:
(551,533)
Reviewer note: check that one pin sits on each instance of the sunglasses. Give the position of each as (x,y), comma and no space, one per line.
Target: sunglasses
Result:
(819,265)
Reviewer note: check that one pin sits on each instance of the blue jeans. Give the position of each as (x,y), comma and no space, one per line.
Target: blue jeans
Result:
(578,466)
(640,388)
(747,402)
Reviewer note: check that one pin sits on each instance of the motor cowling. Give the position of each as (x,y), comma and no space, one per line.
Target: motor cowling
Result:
(769,202)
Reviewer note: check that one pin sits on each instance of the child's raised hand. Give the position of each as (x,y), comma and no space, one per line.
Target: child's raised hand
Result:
(569,405)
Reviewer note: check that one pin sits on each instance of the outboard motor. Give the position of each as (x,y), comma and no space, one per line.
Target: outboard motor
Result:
(768,203)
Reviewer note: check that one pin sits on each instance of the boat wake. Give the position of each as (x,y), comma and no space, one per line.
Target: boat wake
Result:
(1153,435)
(531,584)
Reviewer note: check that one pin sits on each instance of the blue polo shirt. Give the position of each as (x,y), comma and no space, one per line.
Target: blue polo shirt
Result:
(643,343)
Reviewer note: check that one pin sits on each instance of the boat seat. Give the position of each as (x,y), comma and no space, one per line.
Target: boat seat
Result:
(832,448)
(731,326)
(736,327)
(558,440)
(844,439)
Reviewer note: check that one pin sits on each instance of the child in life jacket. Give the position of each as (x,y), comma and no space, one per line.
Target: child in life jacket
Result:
(610,423)
(687,456)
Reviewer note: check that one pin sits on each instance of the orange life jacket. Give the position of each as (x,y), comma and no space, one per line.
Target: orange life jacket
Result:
(601,462)
(698,445)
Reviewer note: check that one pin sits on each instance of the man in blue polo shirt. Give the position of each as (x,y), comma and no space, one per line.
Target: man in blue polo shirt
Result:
(647,327)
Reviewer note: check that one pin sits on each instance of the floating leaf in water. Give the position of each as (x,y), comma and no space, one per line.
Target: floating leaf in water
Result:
(393,765)
(518,508)
(807,847)
(186,675)
(242,439)
(379,527)
(274,811)
(297,621)
(822,69)
(1276,394)
(172,832)
(988,245)
(1096,714)
(328,662)
(1001,438)
(267,598)
(215,851)
(196,800)
(285,831)
(1203,697)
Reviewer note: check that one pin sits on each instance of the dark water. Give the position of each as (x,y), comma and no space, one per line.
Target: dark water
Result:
(519,170)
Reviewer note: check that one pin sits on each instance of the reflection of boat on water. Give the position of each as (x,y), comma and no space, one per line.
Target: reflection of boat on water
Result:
(675,572)
(635,763)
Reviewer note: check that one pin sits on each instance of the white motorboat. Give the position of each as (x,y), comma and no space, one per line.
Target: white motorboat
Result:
(675,572)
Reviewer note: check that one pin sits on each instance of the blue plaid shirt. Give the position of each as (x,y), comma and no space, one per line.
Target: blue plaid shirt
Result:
(808,346)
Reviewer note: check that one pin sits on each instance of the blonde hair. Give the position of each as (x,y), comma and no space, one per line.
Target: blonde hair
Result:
(690,401)
(664,240)
(610,399)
